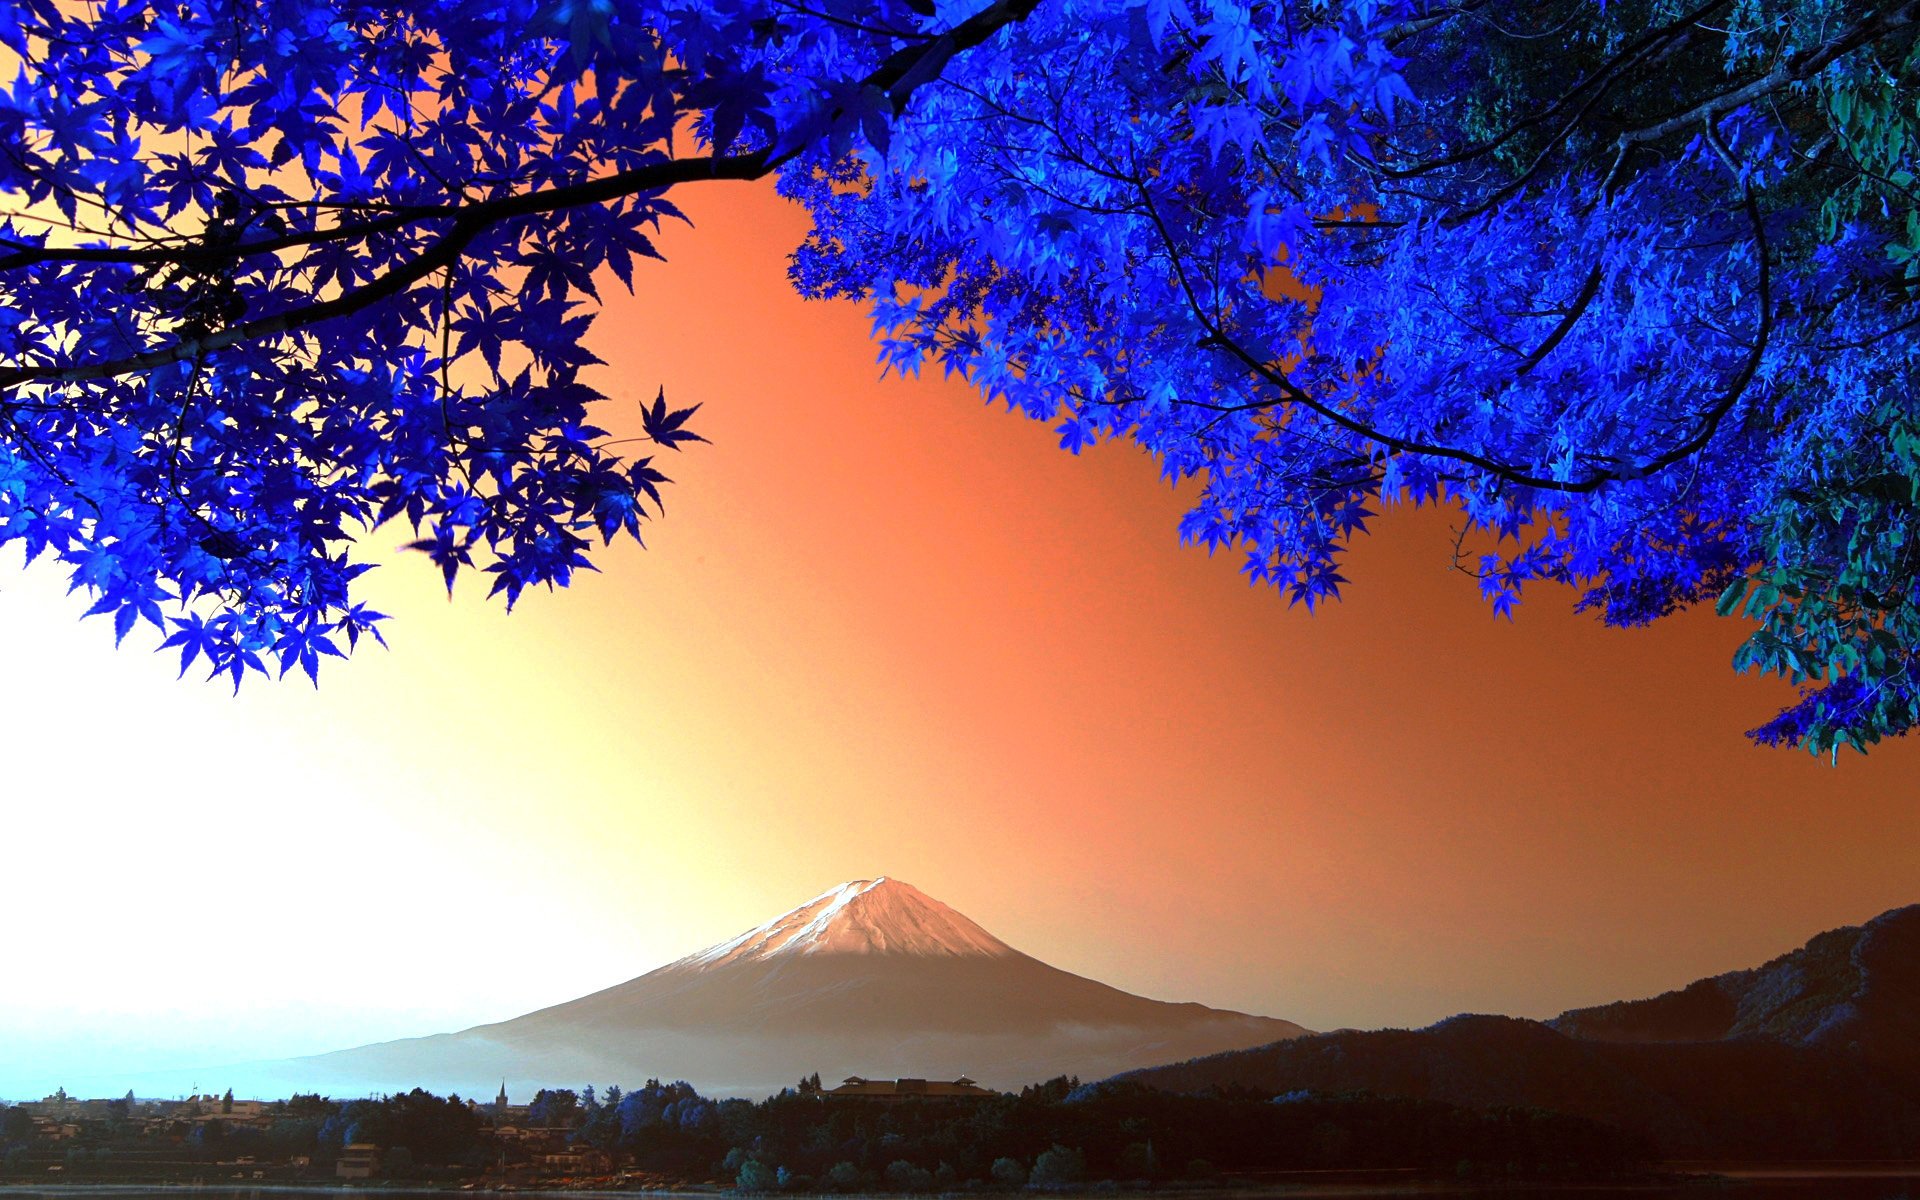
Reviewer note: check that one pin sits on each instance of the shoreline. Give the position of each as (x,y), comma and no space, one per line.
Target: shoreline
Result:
(1305,1185)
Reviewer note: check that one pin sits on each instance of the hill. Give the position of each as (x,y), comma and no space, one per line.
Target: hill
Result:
(1810,1055)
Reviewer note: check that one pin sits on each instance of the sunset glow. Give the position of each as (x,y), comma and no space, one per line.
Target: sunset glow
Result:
(887,629)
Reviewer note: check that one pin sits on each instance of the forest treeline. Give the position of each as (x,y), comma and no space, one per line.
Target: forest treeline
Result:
(1058,1134)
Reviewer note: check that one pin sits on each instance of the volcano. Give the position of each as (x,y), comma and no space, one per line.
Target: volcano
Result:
(873,977)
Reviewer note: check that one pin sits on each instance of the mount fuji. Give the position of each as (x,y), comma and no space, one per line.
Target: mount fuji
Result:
(873,977)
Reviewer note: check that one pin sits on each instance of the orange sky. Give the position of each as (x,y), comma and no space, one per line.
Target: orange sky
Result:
(996,660)
(886,629)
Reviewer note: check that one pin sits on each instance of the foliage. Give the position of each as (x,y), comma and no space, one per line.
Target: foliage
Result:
(431,1128)
(1058,1167)
(796,1143)
(903,1176)
(1727,1095)
(671,1126)
(1138,1161)
(16,1124)
(555,1106)
(1104,1134)
(275,273)
(1629,285)
(755,1176)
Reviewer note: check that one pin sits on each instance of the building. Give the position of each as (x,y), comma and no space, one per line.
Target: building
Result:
(577,1160)
(893,1090)
(361,1160)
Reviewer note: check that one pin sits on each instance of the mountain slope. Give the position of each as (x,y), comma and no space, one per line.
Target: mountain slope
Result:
(863,916)
(1810,1055)
(873,978)
(1856,988)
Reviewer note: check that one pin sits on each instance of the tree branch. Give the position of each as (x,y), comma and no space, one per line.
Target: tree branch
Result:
(902,72)
(1802,66)
(1293,393)
(1588,290)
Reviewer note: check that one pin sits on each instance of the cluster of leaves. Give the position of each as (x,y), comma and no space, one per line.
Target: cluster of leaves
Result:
(430,1127)
(274,273)
(668,1127)
(1835,593)
(1630,285)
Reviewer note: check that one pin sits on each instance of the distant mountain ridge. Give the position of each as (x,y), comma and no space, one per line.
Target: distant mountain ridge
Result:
(872,977)
(1855,988)
(1812,1054)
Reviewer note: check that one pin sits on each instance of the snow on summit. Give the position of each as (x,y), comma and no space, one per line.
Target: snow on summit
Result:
(873,976)
(861,916)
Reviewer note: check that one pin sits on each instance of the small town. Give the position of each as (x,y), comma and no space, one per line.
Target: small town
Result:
(209,1138)
(212,1139)
(862,1136)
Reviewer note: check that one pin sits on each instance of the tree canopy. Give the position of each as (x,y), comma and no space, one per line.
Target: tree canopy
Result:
(1630,285)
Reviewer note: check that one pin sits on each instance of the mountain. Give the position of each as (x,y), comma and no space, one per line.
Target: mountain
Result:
(1814,1054)
(1855,989)
(873,977)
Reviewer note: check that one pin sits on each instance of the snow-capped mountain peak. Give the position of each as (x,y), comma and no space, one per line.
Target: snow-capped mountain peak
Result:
(861,916)
(872,976)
